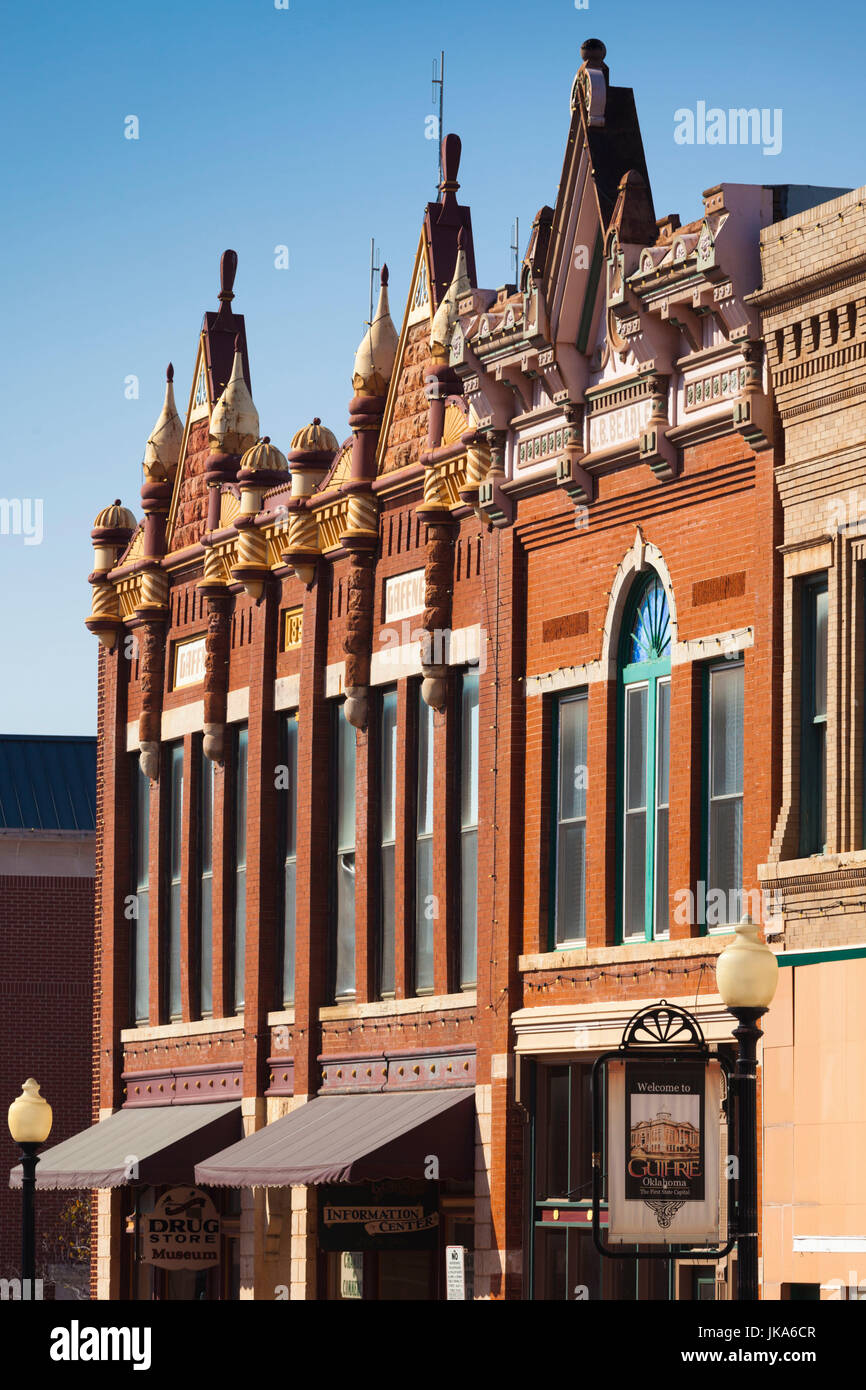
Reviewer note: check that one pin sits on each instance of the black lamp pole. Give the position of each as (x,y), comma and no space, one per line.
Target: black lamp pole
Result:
(745,1079)
(29,1160)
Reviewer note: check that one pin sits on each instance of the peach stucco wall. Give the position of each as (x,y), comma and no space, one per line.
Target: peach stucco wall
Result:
(815,1127)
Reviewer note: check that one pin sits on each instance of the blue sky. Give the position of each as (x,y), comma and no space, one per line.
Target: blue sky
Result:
(305,127)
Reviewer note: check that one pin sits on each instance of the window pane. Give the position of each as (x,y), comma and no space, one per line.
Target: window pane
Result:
(555,1182)
(291,727)
(634,907)
(468,907)
(424,918)
(572,758)
(726,857)
(345,973)
(206,947)
(571,882)
(425,767)
(389,765)
(726,731)
(345,782)
(469,750)
(635,743)
(141,988)
(290,821)
(386,968)
(240,905)
(175,843)
(821,601)
(344,869)
(139,952)
(289,932)
(663,740)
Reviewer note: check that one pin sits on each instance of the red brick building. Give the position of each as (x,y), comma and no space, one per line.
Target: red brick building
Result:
(47,824)
(429,758)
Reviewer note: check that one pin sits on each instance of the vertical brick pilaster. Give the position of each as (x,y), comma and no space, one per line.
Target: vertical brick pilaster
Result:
(366,865)
(601,801)
(404,852)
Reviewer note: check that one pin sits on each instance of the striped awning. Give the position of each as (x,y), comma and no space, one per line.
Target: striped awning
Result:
(354,1138)
(151,1144)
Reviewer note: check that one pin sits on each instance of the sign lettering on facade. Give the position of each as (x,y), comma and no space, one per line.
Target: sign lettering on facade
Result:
(182,1230)
(189,662)
(622,426)
(294,629)
(664,1172)
(404,596)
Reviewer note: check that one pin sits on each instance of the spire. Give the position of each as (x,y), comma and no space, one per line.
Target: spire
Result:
(234,425)
(163,445)
(374,360)
(445,318)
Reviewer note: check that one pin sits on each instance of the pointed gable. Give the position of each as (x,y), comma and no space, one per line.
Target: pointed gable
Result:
(604,143)
(188,515)
(404,426)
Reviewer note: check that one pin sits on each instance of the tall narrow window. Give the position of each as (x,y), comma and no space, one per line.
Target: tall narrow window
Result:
(290,853)
(139,952)
(813,754)
(425,914)
(645,755)
(344,859)
(175,841)
(205,888)
(469,830)
(240,860)
(388,839)
(725,793)
(570,899)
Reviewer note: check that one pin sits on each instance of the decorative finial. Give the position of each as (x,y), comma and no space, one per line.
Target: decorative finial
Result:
(117,501)
(238,343)
(266,439)
(451,150)
(593,52)
(228,271)
(316,420)
(383,278)
(169,372)
(461,239)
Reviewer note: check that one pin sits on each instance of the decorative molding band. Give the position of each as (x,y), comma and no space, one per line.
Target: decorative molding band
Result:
(406,1069)
(183,1085)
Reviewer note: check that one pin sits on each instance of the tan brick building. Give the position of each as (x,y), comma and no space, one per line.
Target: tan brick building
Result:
(813,305)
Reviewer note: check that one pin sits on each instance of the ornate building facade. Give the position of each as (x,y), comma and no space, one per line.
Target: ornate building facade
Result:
(430,757)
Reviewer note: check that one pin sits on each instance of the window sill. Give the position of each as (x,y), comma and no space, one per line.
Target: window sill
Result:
(387,1008)
(193,1028)
(570,959)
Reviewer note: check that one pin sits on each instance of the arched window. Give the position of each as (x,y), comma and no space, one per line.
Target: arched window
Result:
(644,749)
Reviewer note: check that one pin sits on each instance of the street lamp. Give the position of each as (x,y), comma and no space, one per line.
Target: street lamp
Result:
(747,973)
(29,1125)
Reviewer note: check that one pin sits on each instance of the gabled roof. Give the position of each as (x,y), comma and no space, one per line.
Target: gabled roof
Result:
(47,783)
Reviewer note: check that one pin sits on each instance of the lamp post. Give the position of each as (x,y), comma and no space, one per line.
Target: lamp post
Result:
(747,973)
(29,1125)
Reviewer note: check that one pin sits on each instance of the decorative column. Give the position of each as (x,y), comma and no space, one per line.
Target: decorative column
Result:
(111,534)
(313,451)
(374,363)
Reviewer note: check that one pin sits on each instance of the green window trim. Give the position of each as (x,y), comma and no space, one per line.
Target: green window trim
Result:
(558,941)
(735,662)
(644,664)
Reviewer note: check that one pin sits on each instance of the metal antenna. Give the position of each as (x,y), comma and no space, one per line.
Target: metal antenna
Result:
(373,269)
(440,83)
(515,246)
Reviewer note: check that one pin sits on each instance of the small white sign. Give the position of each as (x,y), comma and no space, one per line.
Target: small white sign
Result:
(458,1273)
(189,662)
(404,596)
(351,1274)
